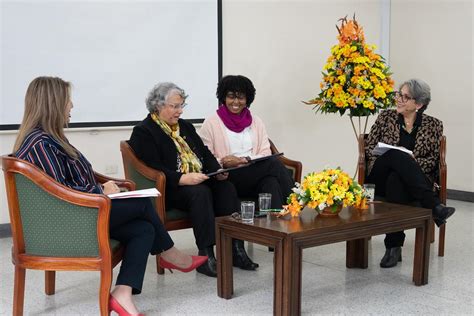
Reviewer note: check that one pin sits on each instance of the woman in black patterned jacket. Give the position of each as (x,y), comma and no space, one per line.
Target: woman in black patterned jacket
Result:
(401,177)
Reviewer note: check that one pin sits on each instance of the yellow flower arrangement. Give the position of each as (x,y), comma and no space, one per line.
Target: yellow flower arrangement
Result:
(355,78)
(329,188)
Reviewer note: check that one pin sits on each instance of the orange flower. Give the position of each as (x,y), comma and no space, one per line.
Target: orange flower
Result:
(350,31)
(353,71)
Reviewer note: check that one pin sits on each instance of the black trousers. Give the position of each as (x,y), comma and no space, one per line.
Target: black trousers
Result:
(135,223)
(399,178)
(204,202)
(267,176)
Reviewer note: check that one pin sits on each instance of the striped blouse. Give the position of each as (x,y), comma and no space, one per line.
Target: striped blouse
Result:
(42,150)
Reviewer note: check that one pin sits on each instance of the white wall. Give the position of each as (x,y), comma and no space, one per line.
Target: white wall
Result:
(433,40)
(282,47)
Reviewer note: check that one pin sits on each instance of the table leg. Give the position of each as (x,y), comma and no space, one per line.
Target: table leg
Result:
(278,274)
(225,280)
(291,279)
(422,254)
(357,253)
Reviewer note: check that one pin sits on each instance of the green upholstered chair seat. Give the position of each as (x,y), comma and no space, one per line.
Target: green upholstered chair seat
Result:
(53,227)
(173,214)
(114,245)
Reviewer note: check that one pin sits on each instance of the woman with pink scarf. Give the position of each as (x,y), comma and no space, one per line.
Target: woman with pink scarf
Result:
(235,136)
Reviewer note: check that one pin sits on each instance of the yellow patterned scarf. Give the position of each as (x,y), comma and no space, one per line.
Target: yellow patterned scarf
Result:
(189,160)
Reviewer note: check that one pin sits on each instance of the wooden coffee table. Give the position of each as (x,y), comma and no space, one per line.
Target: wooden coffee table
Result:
(290,236)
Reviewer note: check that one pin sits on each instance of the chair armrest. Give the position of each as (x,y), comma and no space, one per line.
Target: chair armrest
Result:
(154,175)
(122,183)
(55,188)
(443,170)
(361,159)
(134,166)
(160,184)
(296,165)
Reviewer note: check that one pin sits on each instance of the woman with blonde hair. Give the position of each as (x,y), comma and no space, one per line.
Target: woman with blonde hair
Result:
(133,222)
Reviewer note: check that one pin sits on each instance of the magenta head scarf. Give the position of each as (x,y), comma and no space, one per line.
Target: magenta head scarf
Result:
(235,122)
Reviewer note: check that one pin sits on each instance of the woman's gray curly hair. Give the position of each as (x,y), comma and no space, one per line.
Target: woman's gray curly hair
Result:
(159,94)
(419,90)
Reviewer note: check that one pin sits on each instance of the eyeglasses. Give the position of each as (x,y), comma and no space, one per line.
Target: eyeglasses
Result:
(177,106)
(239,96)
(403,97)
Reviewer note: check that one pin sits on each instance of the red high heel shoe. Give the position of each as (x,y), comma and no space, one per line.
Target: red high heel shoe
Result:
(197,261)
(115,306)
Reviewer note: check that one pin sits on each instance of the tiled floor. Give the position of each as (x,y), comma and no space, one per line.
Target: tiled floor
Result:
(328,287)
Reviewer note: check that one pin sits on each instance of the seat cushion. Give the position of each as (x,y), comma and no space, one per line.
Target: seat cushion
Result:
(173,214)
(114,245)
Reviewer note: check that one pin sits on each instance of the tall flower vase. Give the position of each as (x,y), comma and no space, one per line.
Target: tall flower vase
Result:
(330,211)
(360,130)
(355,78)
(357,132)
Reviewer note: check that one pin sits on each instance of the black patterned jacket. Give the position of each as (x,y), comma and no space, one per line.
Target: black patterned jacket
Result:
(387,130)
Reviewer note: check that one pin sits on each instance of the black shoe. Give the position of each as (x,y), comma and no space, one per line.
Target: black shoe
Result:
(441,213)
(240,258)
(391,257)
(210,267)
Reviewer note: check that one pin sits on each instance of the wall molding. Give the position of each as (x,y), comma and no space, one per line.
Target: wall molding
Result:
(5,230)
(458,195)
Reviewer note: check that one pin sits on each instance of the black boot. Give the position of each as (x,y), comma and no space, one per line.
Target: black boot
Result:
(441,213)
(391,257)
(210,267)
(240,258)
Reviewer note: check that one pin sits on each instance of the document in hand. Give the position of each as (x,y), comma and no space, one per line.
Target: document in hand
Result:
(135,194)
(264,158)
(252,161)
(382,148)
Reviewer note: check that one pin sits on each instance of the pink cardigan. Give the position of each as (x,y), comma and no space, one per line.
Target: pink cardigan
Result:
(214,135)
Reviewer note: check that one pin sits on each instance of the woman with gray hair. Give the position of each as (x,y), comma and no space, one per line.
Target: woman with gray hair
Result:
(170,144)
(401,177)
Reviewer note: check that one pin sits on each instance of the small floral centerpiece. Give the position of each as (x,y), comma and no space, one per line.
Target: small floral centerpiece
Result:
(329,190)
(355,78)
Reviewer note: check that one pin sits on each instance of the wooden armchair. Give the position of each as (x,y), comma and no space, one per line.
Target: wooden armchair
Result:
(442,180)
(55,228)
(294,166)
(146,177)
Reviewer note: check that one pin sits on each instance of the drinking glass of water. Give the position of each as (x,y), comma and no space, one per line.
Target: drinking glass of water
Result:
(247,210)
(370,191)
(264,201)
